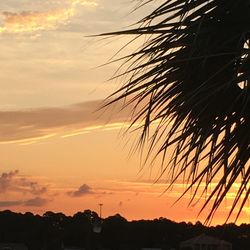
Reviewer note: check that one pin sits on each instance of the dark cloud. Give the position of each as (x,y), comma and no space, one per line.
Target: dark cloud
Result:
(81,191)
(32,187)
(12,181)
(6,180)
(10,203)
(107,193)
(36,202)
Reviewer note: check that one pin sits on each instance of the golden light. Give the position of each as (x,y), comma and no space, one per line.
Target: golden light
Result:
(31,21)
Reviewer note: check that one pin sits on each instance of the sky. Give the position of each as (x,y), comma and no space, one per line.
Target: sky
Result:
(59,151)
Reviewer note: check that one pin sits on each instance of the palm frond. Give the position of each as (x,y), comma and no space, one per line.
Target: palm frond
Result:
(194,73)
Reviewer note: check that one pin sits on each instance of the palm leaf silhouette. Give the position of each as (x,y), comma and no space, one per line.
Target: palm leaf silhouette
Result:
(193,70)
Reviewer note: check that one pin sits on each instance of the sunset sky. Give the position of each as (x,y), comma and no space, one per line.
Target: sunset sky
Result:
(58,152)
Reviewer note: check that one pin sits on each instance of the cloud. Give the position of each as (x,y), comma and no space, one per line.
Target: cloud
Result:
(10,203)
(27,21)
(28,126)
(30,193)
(31,186)
(35,202)
(6,180)
(89,3)
(30,21)
(13,182)
(81,191)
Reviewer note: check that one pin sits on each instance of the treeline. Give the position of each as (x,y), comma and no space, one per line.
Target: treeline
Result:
(52,231)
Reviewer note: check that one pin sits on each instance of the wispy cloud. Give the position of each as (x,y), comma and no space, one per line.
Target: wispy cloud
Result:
(31,186)
(10,203)
(30,21)
(35,202)
(89,3)
(29,126)
(27,21)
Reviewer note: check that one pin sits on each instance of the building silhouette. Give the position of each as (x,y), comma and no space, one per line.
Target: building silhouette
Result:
(204,242)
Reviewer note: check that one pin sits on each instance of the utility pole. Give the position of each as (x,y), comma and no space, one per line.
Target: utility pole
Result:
(100,211)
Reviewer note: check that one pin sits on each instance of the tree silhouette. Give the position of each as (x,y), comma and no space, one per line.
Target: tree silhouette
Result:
(191,77)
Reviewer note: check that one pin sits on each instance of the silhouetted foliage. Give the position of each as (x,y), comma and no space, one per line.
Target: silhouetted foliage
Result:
(52,230)
(191,77)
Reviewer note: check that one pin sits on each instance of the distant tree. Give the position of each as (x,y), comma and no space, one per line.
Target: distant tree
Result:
(38,232)
(54,230)
(114,232)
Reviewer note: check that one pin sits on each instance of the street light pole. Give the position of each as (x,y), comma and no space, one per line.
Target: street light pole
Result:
(100,212)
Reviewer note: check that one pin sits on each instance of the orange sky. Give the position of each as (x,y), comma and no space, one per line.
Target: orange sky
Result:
(57,152)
